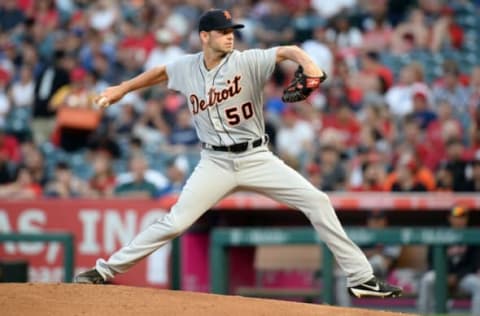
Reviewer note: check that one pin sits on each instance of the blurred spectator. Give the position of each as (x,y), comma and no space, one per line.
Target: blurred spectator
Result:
(318,48)
(421,109)
(151,126)
(102,183)
(410,176)
(378,118)
(9,147)
(406,181)
(456,162)
(347,38)
(75,127)
(65,184)
(446,32)
(4,100)
(333,171)
(11,16)
(294,139)
(45,14)
(473,183)
(373,175)
(165,51)
(183,135)
(75,94)
(138,160)
(21,92)
(138,186)
(305,21)
(177,171)
(374,78)
(102,15)
(412,34)
(462,267)
(399,96)
(95,45)
(135,46)
(444,178)
(378,29)
(381,257)
(123,125)
(314,174)
(52,78)
(34,161)
(344,122)
(328,9)
(439,132)
(449,88)
(274,26)
(24,187)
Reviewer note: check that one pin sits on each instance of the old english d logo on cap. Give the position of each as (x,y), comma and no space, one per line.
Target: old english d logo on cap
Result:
(217,19)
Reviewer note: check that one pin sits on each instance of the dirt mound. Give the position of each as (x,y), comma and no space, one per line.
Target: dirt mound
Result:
(74,299)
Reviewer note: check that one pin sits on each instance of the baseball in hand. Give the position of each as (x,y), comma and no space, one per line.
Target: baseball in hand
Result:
(102,102)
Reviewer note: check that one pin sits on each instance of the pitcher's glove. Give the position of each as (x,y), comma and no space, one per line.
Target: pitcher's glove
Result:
(301,86)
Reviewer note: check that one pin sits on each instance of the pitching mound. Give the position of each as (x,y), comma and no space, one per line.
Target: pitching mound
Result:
(75,299)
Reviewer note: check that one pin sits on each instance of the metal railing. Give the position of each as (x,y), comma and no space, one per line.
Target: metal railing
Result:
(222,238)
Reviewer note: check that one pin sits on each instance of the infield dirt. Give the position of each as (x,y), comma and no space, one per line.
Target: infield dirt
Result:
(40,299)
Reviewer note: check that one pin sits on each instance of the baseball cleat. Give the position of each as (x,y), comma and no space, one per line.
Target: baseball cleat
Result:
(89,277)
(375,288)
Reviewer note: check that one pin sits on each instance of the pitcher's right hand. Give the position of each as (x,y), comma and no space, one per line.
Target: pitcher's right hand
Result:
(110,96)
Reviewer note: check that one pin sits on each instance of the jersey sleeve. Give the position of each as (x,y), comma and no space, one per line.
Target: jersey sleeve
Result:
(177,72)
(260,62)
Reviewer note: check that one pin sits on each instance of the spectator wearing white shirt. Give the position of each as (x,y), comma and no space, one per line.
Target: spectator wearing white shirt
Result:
(21,92)
(294,139)
(4,100)
(319,50)
(165,51)
(399,97)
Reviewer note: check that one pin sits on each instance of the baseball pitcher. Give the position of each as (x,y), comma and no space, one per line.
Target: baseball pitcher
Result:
(224,89)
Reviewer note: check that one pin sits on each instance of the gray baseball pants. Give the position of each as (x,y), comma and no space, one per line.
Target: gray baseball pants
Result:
(219,174)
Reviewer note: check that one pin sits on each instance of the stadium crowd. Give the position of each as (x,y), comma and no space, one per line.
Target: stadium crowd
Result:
(399,112)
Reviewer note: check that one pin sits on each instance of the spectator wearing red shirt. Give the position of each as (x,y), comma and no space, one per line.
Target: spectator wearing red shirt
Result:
(345,123)
(102,182)
(438,132)
(45,13)
(136,44)
(24,187)
(373,175)
(446,33)
(9,147)
(374,78)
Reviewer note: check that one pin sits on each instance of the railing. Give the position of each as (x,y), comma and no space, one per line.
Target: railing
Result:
(222,238)
(66,239)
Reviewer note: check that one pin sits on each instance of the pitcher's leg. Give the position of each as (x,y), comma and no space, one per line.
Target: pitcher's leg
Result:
(207,185)
(280,182)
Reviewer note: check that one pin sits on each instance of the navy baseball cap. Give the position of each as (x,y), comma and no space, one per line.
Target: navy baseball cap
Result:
(217,19)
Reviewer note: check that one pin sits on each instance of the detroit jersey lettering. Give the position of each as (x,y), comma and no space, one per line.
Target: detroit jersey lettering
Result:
(226,101)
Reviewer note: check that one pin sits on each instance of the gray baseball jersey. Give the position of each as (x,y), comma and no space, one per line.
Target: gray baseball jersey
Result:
(227,101)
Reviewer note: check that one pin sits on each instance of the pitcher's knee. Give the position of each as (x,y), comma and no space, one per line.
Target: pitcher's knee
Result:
(172,225)
(317,198)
